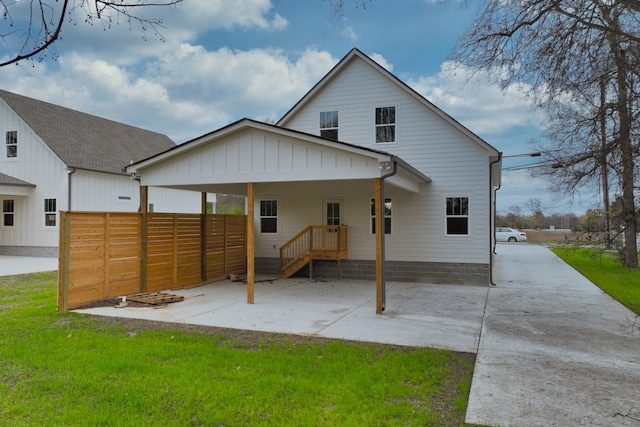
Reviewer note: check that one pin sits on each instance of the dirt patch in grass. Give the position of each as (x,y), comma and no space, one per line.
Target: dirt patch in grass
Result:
(547,236)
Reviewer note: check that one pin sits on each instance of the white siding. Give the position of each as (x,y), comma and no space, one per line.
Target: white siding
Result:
(102,192)
(252,155)
(90,191)
(38,165)
(457,165)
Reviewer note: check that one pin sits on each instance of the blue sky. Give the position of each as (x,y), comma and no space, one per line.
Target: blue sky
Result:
(222,60)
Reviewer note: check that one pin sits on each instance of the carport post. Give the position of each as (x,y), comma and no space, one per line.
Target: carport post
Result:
(250,243)
(379,236)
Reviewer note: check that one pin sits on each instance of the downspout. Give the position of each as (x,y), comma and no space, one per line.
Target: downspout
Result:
(70,171)
(382,240)
(492,218)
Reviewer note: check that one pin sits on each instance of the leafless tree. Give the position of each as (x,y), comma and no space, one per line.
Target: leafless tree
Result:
(33,26)
(339,5)
(581,60)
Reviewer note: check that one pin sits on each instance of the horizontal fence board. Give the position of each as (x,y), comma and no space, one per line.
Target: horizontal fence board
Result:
(101,252)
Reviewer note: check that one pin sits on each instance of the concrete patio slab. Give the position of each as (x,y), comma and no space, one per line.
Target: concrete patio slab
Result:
(424,315)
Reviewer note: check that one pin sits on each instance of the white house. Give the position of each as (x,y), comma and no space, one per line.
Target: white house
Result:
(360,135)
(55,158)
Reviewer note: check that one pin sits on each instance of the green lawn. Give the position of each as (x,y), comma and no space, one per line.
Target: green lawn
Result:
(602,269)
(71,369)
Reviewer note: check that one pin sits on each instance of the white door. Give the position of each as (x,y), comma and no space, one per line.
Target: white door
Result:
(332,212)
(332,215)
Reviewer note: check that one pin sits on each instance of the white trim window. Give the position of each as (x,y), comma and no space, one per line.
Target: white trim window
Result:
(12,144)
(50,213)
(8,211)
(385,124)
(329,124)
(269,216)
(387,216)
(457,216)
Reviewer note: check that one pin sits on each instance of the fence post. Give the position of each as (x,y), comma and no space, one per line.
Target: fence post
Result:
(63,263)
(203,237)
(144,230)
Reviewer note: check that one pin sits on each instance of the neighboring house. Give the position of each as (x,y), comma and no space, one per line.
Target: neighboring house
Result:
(55,159)
(358,136)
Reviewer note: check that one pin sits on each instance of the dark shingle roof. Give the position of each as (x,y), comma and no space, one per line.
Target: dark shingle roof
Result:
(9,180)
(84,141)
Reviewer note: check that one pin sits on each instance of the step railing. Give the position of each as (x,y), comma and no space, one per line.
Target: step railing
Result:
(315,241)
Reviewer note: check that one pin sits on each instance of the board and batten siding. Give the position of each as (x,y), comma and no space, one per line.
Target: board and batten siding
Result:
(37,164)
(104,192)
(458,166)
(253,155)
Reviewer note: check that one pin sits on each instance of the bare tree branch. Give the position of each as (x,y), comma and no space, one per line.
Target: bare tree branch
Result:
(46,19)
(568,51)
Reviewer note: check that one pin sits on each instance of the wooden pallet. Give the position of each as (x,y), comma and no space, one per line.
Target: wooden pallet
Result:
(155,298)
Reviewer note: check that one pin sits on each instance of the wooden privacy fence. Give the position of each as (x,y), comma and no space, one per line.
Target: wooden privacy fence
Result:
(108,254)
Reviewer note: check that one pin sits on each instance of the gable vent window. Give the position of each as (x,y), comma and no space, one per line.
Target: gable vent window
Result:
(12,144)
(385,124)
(329,124)
(50,212)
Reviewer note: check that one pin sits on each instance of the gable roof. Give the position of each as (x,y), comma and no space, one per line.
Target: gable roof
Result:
(357,54)
(407,176)
(85,141)
(245,123)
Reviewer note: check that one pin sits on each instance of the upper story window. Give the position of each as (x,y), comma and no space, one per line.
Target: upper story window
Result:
(8,210)
(386,124)
(269,216)
(329,124)
(387,216)
(12,144)
(50,212)
(457,215)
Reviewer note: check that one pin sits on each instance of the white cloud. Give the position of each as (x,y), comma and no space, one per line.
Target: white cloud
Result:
(223,14)
(381,61)
(349,33)
(185,94)
(475,101)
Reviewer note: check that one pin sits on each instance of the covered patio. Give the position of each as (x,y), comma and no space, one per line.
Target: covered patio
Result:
(259,161)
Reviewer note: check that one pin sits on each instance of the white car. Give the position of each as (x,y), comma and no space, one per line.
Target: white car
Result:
(505,234)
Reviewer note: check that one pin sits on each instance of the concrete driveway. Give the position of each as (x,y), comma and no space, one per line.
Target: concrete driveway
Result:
(12,265)
(552,349)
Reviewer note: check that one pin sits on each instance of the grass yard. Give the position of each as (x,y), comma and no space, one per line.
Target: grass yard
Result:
(602,269)
(71,369)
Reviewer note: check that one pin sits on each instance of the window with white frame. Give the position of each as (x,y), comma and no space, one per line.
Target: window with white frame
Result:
(385,124)
(329,124)
(12,144)
(457,214)
(269,216)
(8,211)
(50,212)
(387,216)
